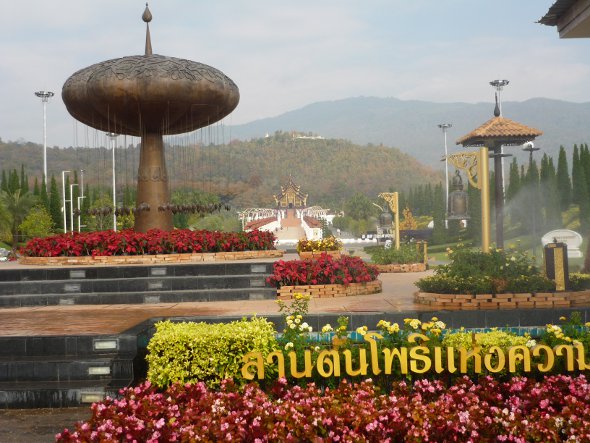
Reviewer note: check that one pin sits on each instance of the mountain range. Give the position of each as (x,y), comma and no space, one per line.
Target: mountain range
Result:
(411,125)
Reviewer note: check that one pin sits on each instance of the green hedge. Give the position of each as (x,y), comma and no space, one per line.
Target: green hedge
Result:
(407,253)
(192,352)
(579,282)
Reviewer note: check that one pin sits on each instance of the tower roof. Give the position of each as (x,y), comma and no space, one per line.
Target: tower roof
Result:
(500,130)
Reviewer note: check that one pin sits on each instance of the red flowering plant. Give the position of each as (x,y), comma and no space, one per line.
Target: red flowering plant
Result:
(555,408)
(155,241)
(322,271)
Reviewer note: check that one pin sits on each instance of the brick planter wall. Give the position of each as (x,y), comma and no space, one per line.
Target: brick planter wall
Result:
(397,268)
(151,259)
(323,291)
(504,301)
(305,255)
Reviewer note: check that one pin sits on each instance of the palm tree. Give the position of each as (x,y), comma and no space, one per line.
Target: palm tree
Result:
(16,206)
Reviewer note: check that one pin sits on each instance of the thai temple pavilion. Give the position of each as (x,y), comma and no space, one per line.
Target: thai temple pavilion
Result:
(291,219)
(291,196)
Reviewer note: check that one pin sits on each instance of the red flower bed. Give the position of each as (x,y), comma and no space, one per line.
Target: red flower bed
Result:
(155,241)
(323,271)
(520,410)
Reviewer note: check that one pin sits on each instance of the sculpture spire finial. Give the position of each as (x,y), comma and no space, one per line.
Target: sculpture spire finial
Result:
(147,18)
(497,108)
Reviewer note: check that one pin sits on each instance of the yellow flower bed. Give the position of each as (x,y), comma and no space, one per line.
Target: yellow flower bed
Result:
(325,244)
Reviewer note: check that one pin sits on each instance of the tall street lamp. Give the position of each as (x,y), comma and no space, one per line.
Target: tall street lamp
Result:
(63,193)
(444,127)
(81,197)
(499,85)
(72,206)
(113,137)
(44,96)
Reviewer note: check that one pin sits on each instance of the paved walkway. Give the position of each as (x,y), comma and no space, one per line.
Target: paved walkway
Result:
(397,296)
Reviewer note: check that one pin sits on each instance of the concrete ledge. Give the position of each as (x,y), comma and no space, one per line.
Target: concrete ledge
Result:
(324,291)
(504,301)
(397,268)
(151,259)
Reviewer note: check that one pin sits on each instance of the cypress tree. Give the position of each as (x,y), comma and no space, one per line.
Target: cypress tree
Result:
(534,214)
(24,180)
(514,181)
(577,169)
(44,198)
(580,189)
(4,182)
(55,204)
(36,190)
(585,160)
(564,184)
(13,182)
(550,195)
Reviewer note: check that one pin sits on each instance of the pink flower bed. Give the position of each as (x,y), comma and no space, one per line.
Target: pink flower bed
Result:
(155,241)
(322,271)
(520,410)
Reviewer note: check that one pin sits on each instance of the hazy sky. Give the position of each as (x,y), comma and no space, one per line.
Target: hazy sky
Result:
(284,55)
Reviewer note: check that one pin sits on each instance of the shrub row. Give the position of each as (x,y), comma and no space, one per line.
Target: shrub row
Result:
(155,241)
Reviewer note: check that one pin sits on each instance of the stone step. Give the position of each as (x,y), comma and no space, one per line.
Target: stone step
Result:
(145,284)
(57,394)
(139,297)
(131,272)
(66,346)
(62,369)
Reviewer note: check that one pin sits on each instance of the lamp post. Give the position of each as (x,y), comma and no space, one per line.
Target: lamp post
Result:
(81,197)
(72,206)
(530,148)
(44,96)
(499,85)
(444,127)
(63,193)
(113,137)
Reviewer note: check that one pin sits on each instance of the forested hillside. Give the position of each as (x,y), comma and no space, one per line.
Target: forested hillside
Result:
(247,173)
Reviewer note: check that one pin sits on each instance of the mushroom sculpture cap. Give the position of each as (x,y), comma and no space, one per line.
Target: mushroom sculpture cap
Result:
(149,93)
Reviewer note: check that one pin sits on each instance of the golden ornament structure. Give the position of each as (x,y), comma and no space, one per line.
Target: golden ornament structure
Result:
(475,164)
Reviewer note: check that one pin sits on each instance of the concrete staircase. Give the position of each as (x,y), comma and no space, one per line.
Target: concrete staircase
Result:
(62,371)
(135,284)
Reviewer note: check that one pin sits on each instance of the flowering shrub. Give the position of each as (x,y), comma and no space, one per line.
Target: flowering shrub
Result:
(155,241)
(190,352)
(322,271)
(557,408)
(476,272)
(326,244)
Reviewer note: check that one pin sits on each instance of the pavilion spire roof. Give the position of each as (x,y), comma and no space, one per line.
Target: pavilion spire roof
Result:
(500,130)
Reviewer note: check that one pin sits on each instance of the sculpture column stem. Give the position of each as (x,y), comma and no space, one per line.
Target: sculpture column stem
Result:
(152,185)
